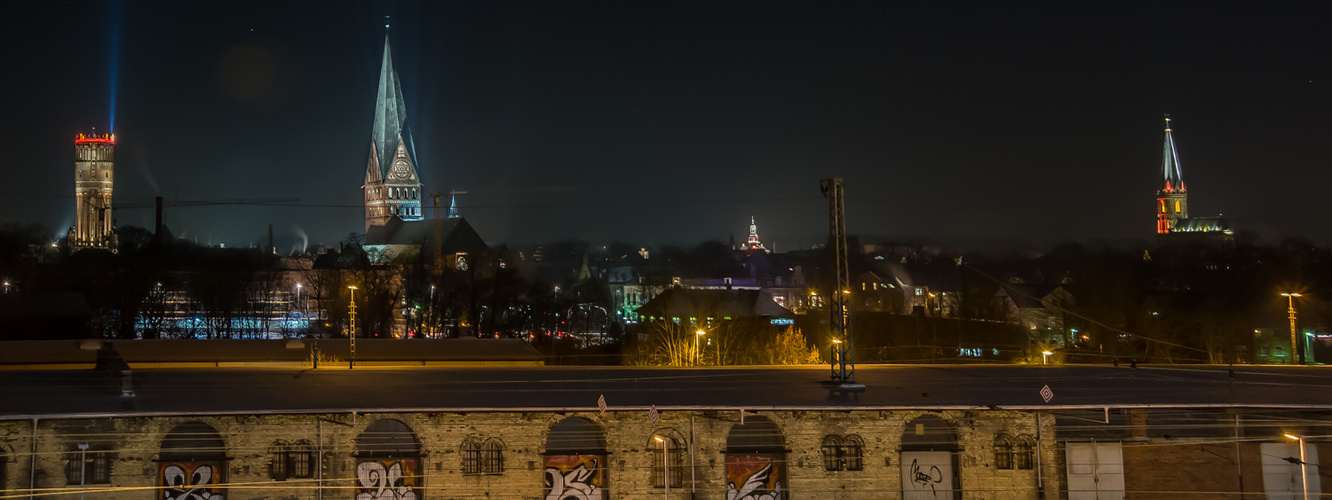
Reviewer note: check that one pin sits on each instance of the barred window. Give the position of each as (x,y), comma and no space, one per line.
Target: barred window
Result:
(673,463)
(1023,455)
(852,452)
(95,463)
(832,452)
(471,458)
(300,460)
(492,457)
(1003,452)
(287,460)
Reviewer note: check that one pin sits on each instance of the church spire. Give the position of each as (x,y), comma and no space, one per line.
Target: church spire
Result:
(1171,180)
(392,183)
(1172,199)
(390,114)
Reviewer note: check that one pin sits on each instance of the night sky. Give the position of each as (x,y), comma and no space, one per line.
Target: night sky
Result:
(664,123)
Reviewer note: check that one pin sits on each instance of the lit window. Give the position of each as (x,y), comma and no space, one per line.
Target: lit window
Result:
(1178,205)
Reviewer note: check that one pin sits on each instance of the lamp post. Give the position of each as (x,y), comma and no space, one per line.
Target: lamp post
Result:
(1304,478)
(351,334)
(1044,355)
(697,334)
(83,468)
(665,461)
(1294,346)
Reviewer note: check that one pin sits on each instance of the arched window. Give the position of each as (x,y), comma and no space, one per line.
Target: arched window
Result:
(756,458)
(668,447)
(193,459)
(492,457)
(853,457)
(575,460)
(832,452)
(388,456)
(471,457)
(1023,454)
(1003,452)
(95,463)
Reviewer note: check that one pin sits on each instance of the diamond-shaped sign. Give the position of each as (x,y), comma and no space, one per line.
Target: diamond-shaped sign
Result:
(601,403)
(1047,394)
(653,415)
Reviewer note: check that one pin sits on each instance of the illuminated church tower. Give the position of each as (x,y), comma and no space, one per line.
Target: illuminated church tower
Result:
(392,186)
(752,243)
(94,173)
(1172,200)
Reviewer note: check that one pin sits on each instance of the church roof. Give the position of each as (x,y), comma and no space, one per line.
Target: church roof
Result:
(390,117)
(1171,179)
(456,234)
(1214,224)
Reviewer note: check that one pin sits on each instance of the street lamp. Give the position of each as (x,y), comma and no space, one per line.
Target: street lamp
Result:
(83,467)
(1304,478)
(351,335)
(697,334)
(1044,355)
(1294,348)
(665,461)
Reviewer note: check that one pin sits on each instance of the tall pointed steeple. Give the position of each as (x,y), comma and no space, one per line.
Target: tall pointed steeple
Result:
(1171,180)
(1172,199)
(392,185)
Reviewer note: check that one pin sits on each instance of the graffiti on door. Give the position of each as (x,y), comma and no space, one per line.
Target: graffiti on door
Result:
(574,477)
(753,478)
(190,480)
(387,480)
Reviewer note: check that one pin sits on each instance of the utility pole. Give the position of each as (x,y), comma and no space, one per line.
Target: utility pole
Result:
(351,334)
(843,351)
(1294,345)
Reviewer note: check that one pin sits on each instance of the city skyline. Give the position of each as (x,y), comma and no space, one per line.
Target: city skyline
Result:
(667,125)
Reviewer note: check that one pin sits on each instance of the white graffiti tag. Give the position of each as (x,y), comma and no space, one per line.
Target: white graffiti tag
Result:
(749,490)
(574,485)
(381,484)
(195,487)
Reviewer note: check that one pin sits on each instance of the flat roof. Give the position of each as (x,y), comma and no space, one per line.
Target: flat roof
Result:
(89,393)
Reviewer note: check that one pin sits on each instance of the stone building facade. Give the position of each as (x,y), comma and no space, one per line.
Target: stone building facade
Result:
(773,454)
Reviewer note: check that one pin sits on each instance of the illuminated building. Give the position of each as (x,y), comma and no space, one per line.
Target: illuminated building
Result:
(392,187)
(753,243)
(94,174)
(1172,201)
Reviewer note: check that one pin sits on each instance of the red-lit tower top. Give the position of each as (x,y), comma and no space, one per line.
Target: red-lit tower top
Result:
(95,139)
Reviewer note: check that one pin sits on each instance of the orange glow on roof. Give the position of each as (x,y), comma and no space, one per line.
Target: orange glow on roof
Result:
(90,139)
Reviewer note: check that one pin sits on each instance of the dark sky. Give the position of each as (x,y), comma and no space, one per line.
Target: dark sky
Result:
(673,123)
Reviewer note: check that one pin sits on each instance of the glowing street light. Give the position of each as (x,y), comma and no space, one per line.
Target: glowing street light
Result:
(1045,355)
(1304,478)
(697,334)
(1294,347)
(351,335)
(665,457)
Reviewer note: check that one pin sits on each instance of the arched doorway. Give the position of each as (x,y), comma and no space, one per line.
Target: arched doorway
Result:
(575,461)
(755,461)
(192,460)
(388,462)
(929,465)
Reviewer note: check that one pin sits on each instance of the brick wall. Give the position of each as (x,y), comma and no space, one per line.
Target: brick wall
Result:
(135,443)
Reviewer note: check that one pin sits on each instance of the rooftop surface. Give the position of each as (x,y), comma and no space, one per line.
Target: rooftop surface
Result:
(75,393)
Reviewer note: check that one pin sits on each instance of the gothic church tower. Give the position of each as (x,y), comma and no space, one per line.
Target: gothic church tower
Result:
(392,187)
(1172,200)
